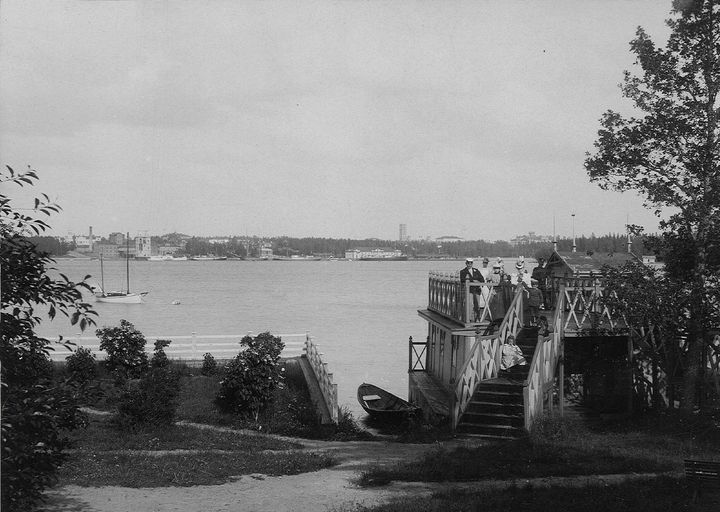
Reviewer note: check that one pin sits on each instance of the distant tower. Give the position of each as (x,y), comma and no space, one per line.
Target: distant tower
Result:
(629,241)
(91,238)
(403,232)
(574,247)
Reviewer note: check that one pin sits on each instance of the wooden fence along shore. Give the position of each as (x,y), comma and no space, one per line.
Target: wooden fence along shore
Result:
(192,349)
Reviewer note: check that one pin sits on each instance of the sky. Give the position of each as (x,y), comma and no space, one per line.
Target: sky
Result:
(336,119)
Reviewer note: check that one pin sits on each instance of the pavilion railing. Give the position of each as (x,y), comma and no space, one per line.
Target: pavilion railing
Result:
(468,303)
(585,304)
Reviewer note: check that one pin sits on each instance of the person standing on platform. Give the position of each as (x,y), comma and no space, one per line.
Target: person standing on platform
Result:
(539,273)
(534,298)
(485,270)
(470,273)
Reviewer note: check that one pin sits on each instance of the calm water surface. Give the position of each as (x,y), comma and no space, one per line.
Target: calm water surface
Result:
(360,313)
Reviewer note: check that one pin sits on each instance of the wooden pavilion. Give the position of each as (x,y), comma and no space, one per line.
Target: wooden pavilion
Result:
(456,373)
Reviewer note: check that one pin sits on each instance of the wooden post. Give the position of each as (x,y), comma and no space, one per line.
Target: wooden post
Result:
(468,305)
(410,348)
(630,380)
(561,396)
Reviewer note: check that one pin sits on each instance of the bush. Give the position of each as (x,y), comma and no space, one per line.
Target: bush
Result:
(125,348)
(160,358)
(152,400)
(250,379)
(209,366)
(81,366)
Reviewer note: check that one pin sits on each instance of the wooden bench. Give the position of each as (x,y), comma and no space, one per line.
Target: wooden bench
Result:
(703,474)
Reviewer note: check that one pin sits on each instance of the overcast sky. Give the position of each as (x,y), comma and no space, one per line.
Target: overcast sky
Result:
(305,118)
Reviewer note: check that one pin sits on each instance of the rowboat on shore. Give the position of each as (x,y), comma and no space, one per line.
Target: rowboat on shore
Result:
(383,405)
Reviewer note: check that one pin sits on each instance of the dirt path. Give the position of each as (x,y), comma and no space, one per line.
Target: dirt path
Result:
(331,489)
(325,490)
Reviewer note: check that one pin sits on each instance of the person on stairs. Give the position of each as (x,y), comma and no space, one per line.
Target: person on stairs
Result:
(511,354)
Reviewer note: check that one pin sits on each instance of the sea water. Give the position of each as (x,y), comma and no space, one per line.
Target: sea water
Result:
(360,313)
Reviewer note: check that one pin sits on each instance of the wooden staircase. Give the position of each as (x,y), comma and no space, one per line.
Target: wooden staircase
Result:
(496,408)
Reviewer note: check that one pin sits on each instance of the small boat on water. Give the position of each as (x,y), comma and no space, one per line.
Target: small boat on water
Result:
(208,258)
(383,405)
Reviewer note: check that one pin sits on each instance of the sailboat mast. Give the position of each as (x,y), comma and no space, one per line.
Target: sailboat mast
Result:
(102,274)
(127,261)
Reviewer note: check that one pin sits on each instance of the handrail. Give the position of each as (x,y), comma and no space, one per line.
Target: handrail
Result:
(542,367)
(483,361)
(417,360)
(324,378)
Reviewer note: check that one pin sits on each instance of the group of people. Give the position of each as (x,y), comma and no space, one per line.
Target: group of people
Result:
(534,284)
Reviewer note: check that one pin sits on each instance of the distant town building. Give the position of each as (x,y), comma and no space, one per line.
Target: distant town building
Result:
(117,238)
(143,247)
(403,236)
(530,238)
(107,250)
(368,253)
(82,243)
(218,240)
(266,251)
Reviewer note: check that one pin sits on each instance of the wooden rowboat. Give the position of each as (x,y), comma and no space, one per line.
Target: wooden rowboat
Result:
(383,405)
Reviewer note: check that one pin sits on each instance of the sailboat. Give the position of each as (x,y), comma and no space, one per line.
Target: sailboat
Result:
(119,297)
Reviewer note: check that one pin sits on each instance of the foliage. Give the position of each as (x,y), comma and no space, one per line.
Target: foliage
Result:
(51,245)
(160,358)
(669,155)
(151,400)
(81,365)
(125,348)
(34,411)
(250,379)
(209,366)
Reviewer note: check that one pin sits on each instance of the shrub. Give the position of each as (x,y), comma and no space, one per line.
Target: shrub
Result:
(159,358)
(81,366)
(250,379)
(125,348)
(209,366)
(152,400)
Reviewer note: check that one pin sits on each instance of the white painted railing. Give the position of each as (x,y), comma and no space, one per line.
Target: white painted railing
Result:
(484,360)
(188,348)
(541,374)
(324,378)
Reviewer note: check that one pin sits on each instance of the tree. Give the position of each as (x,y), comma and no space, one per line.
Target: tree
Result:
(34,410)
(669,154)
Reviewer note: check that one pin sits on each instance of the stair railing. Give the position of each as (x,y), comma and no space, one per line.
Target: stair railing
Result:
(543,366)
(483,361)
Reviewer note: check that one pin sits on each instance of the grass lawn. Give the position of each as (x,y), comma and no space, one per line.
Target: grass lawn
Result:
(656,443)
(146,458)
(659,495)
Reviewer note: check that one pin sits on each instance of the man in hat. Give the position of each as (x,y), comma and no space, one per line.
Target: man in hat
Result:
(470,273)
